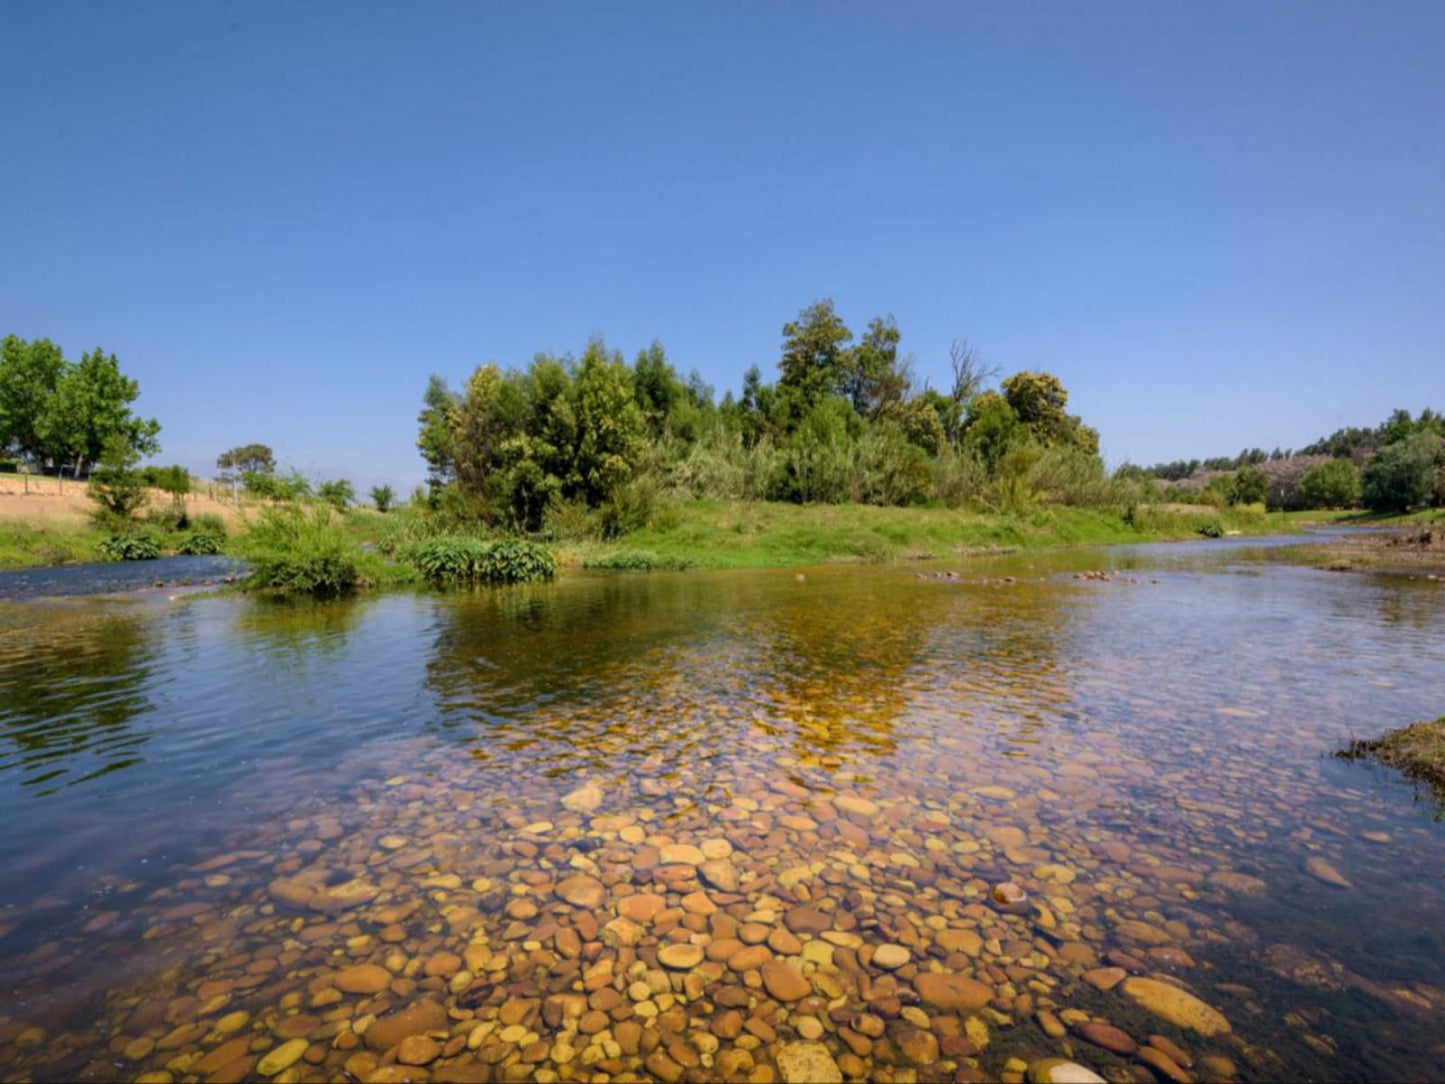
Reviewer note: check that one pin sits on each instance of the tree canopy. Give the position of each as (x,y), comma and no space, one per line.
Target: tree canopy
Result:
(58,413)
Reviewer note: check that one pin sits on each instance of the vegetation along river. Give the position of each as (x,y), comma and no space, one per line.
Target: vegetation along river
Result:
(728,826)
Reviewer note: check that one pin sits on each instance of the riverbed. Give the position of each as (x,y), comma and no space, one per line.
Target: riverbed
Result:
(729,826)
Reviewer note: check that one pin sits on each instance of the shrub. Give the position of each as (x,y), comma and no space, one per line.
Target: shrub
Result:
(1211,529)
(116,487)
(383,497)
(130,547)
(210,523)
(199,544)
(639,561)
(1335,484)
(457,560)
(631,508)
(289,550)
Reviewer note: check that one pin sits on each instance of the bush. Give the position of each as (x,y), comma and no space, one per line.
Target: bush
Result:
(116,487)
(130,547)
(383,497)
(1211,529)
(457,560)
(630,509)
(200,544)
(289,550)
(1335,484)
(639,561)
(1403,474)
(210,523)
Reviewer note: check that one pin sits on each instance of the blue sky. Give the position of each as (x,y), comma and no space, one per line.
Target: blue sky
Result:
(1220,224)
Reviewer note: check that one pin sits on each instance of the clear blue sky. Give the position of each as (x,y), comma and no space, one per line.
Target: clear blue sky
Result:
(1219,223)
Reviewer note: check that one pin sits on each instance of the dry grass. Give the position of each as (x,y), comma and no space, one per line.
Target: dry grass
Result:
(61,503)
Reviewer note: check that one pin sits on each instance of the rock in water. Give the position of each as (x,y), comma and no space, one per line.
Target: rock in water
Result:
(1061,1071)
(1176,1006)
(808,1063)
(584,799)
(1321,870)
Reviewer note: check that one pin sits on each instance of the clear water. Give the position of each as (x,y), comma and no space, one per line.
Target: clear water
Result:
(1148,757)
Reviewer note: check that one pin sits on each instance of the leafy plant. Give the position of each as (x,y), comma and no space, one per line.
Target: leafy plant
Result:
(290,550)
(639,561)
(457,560)
(200,544)
(130,547)
(1211,529)
(116,486)
(383,497)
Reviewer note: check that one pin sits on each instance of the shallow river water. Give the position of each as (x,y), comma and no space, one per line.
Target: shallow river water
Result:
(728,826)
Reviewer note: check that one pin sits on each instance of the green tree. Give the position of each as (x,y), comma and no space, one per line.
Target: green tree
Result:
(90,407)
(871,375)
(437,440)
(609,425)
(1039,400)
(115,485)
(1250,485)
(814,356)
(338,493)
(992,428)
(382,497)
(1404,474)
(1335,484)
(29,374)
(175,480)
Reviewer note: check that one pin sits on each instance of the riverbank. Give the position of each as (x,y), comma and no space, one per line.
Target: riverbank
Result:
(1418,549)
(718,534)
(739,534)
(1418,751)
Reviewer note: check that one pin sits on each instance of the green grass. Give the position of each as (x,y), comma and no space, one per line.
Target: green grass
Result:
(724,534)
(30,546)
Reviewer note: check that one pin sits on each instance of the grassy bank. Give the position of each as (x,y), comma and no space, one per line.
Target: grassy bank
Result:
(720,534)
(1418,751)
(727,534)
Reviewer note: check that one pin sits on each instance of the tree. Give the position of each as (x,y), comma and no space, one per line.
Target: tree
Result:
(871,376)
(115,485)
(813,356)
(609,425)
(382,498)
(1039,401)
(91,405)
(1250,485)
(1335,484)
(175,480)
(970,374)
(245,458)
(29,374)
(337,493)
(1404,474)
(253,460)
(437,440)
(992,428)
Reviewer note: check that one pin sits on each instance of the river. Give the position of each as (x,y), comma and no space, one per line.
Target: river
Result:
(714,825)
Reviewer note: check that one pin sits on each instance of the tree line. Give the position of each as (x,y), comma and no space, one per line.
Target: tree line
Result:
(1392,467)
(565,438)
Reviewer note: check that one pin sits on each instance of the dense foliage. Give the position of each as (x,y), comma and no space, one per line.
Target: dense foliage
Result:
(298,551)
(1409,472)
(1332,484)
(200,543)
(137,546)
(60,414)
(461,560)
(594,446)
